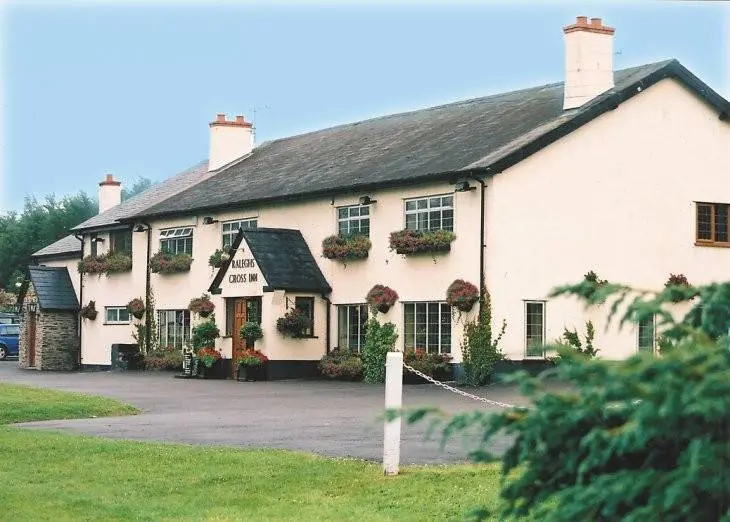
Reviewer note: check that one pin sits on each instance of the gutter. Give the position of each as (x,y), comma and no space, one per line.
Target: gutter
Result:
(482,242)
(81,299)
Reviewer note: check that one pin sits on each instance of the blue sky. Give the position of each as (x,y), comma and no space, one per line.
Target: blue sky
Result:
(130,88)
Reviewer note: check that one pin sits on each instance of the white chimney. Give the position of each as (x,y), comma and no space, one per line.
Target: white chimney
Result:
(110,193)
(588,61)
(229,140)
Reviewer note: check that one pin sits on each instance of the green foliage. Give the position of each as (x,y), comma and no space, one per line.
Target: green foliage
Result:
(165,263)
(585,347)
(251,331)
(139,186)
(294,323)
(634,440)
(346,248)
(379,340)
(204,335)
(479,348)
(342,365)
(168,358)
(109,263)
(7,300)
(409,241)
(140,329)
(218,257)
(37,226)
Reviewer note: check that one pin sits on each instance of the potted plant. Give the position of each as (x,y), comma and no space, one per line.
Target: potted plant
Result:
(462,295)
(109,263)
(434,365)
(342,365)
(203,340)
(381,298)
(252,366)
(346,248)
(421,241)
(218,257)
(208,357)
(89,311)
(294,323)
(251,332)
(136,307)
(202,305)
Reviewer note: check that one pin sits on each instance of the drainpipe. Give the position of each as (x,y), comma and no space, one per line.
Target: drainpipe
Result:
(329,313)
(81,300)
(482,243)
(148,287)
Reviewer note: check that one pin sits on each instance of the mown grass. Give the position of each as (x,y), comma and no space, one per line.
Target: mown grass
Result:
(24,403)
(53,476)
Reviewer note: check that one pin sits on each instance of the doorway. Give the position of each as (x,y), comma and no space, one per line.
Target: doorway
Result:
(244,309)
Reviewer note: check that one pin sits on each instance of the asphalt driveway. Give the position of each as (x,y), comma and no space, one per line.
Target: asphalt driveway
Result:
(329,418)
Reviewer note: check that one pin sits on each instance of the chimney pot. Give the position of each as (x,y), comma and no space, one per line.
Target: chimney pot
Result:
(581,20)
(220,117)
(596,22)
(239,120)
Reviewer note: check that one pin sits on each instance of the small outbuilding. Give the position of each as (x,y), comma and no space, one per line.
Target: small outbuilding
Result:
(49,338)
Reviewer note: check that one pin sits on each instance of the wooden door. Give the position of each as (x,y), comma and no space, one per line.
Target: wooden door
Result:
(31,340)
(239,345)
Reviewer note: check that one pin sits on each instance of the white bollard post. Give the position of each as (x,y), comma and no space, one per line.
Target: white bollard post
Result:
(393,399)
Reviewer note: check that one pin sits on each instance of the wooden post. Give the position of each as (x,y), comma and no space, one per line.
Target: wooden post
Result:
(394,400)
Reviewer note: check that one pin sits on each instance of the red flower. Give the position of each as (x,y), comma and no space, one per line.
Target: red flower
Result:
(462,295)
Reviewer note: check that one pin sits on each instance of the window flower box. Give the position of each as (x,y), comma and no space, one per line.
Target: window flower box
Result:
(110,263)
(136,307)
(410,242)
(294,323)
(346,248)
(381,298)
(462,295)
(166,263)
(218,257)
(202,305)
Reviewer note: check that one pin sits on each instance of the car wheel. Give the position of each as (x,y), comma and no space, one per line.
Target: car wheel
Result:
(3,353)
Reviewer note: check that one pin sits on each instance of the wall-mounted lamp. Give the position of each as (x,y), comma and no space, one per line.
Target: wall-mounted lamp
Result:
(365,200)
(463,186)
(207,220)
(31,306)
(140,228)
(98,239)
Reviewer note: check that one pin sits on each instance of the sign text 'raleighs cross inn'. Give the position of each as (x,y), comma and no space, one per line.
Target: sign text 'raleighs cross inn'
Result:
(251,277)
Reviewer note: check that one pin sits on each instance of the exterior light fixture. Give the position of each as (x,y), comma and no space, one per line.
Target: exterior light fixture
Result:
(365,200)
(463,186)
(98,239)
(139,228)
(208,220)
(32,307)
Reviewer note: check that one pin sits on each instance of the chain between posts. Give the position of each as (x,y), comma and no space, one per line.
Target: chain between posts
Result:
(456,390)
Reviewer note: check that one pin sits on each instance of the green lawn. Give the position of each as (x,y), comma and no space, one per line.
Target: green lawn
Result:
(52,476)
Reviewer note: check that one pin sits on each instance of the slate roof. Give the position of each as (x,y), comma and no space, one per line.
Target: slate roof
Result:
(284,259)
(153,195)
(66,246)
(482,135)
(53,288)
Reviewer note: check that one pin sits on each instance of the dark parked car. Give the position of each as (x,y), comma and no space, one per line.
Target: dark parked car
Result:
(9,340)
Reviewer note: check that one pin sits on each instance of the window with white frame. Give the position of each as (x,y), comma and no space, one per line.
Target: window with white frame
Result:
(431,213)
(177,240)
(351,321)
(427,326)
(535,328)
(646,335)
(353,220)
(173,328)
(230,229)
(117,315)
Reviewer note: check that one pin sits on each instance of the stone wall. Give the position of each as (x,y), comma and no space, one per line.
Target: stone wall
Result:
(56,339)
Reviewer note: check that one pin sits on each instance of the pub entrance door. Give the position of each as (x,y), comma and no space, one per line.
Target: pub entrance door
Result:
(245,309)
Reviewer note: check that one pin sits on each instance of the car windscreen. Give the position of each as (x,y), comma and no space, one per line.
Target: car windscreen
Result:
(10,330)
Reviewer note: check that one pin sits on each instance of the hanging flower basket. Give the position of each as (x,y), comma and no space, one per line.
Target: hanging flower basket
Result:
(89,311)
(166,263)
(202,305)
(677,286)
(381,298)
(218,257)
(346,248)
(136,307)
(294,323)
(421,241)
(462,295)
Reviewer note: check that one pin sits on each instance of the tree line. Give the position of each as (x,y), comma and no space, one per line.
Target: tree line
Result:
(41,223)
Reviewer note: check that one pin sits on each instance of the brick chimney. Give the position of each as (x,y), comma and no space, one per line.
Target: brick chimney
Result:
(229,140)
(588,61)
(110,193)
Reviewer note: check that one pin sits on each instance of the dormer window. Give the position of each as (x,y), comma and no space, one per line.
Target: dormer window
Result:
(177,240)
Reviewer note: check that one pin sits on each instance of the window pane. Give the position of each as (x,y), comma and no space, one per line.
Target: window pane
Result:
(111,315)
(646,335)
(342,327)
(410,205)
(342,213)
(422,204)
(411,221)
(409,327)
(365,211)
(445,328)
(123,315)
(447,201)
(435,221)
(721,233)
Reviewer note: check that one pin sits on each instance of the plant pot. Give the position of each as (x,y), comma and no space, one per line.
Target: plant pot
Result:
(90,316)
(204,313)
(383,308)
(465,307)
(138,315)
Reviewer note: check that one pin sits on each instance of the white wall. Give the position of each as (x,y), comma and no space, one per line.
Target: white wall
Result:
(615,197)
(69,264)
